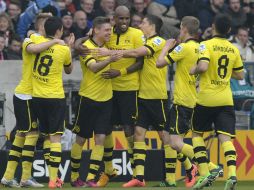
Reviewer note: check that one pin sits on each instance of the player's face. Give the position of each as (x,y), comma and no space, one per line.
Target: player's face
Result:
(122,21)
(104,32)
(145,26)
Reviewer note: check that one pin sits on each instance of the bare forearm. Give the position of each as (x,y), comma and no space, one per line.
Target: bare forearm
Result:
(136,66)
(161,62)
(98,66)
(37,48)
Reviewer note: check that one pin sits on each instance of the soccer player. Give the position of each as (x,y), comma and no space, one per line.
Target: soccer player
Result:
(185,56)
(95,108)
(48,93)
(27,129)
(125,83)
(218,61)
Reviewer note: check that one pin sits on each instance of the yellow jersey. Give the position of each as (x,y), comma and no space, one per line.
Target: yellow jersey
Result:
(25,84)
(185,55)
(47,71)
(152,79)
(93,86)
(133,38)
(222,58)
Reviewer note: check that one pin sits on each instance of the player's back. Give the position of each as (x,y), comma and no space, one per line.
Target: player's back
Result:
(47,71)
(223,58)
(25,85)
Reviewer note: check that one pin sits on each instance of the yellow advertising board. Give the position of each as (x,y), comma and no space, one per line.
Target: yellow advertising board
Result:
(244,143)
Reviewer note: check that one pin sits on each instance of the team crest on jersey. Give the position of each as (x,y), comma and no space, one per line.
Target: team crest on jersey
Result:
(157,41)
(178,49)
(202,47)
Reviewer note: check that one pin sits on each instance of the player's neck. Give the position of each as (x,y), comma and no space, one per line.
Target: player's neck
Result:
(187,37)
(98,41)
(151,34)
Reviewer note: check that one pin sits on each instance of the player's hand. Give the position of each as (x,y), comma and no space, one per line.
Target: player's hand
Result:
(170,43)
(102,52)
(116,56)
(59,41)
(110,74)
(70,40)
(83,50)
(193,70)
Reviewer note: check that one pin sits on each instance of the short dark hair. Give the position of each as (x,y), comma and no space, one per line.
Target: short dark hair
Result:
(222,24)
(152,19)
(98,21)
(51,25)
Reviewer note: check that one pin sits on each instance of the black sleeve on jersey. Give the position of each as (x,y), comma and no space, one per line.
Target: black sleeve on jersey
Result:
(150,48)
(238,68)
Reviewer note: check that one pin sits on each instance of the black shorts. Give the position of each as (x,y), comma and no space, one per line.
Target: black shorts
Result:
(25,118)
(51,114)
(152,112)
(223,118)
(93,117)
(124,108)
(179,119)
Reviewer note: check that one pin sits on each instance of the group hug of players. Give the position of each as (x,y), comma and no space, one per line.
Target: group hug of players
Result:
(124,82)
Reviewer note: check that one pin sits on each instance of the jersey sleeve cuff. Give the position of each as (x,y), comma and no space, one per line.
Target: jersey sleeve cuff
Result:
(89,60)
(204,59)
(151,50)
(67,65)
(238,69)
(169,59)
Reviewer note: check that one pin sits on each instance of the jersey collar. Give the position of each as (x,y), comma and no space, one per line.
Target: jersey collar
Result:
(191,39)
(94,43)
(153,36)
(219,36)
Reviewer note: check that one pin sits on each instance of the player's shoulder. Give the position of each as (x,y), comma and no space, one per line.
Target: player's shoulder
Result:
(135,31)
(157,40)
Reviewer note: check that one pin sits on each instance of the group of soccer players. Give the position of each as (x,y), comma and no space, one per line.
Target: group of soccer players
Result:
(124,82)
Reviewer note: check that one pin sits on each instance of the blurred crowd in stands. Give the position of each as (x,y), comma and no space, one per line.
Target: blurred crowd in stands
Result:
(77,17)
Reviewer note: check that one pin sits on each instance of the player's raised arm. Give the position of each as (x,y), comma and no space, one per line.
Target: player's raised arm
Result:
(37,48)
(161,62)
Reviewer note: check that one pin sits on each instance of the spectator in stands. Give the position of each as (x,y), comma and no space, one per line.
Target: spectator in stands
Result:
(242,42)
(208,11)
(238,16)
(67,21)
(88,7)
(80,27)
(187,7)
(70,6)
(2,6)
(165,10)
(111,17)
(3,55)
(106,6)
(250,19)
(14,48)
(6,27)
(136,20)
(14,10)
(139,7)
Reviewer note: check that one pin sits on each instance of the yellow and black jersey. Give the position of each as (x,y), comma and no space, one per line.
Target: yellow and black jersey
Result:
(25,85)
(131,39)
(153,80)
(185,55)
(223,58)
(93,86)
(47,71)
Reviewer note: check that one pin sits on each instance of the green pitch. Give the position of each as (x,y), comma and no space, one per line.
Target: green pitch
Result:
(243,185)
